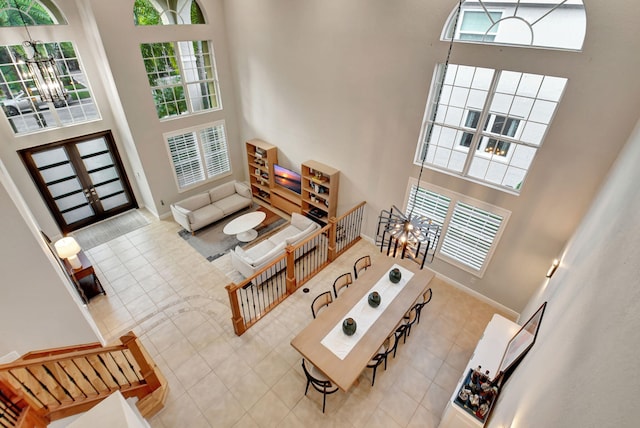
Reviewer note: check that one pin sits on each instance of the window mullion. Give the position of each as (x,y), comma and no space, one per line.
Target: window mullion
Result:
(484,114)
(183,75)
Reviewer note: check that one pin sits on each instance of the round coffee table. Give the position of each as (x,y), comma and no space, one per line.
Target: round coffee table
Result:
(243,226)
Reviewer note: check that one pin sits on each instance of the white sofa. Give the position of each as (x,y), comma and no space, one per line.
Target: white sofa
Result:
(249,261)
(200,210)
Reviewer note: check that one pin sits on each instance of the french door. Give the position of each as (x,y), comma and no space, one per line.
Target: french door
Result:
(81,180)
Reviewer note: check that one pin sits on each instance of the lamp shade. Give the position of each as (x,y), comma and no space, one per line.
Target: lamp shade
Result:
(67,247)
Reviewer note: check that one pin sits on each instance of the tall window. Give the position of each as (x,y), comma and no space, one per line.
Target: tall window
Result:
(199,154)
(515,109)
(559,24)
(20,100)
(182,76)
(470,228)
(167,12)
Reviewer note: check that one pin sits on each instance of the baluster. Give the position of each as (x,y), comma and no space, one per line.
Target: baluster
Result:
(71,379)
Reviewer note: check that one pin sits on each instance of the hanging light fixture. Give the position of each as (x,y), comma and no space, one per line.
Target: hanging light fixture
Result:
(42,68)
(412,233)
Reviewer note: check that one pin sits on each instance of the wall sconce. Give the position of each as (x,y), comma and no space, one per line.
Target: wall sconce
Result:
(553,268)
(68,248)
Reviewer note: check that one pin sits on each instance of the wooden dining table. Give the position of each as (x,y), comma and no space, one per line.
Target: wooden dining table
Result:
(345,371)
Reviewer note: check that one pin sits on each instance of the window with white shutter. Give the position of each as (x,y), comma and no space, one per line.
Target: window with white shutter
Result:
(470,228)
(199,154)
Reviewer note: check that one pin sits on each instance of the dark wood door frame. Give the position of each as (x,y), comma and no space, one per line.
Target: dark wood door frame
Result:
(82,175)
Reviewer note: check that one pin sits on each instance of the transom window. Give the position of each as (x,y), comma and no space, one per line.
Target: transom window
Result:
(167,12)
(18,13)
(182,76)
(199,154)
(557,24)
(21,103)
(515,110)
(470,228)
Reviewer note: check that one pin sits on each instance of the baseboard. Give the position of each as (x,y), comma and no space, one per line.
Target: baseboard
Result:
(464,288)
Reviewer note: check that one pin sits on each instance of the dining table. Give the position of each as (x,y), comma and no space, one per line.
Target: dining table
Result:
(343,357)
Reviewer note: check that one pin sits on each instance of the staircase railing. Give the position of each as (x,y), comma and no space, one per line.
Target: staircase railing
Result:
(47,385)
(253,298)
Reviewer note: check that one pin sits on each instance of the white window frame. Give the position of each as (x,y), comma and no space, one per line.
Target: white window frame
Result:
(207,176)
(481,135)
(455,198)
(186,80)
(491,32)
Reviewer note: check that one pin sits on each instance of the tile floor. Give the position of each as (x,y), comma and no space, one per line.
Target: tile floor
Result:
(175,301)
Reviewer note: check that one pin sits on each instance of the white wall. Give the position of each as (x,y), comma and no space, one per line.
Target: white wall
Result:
(346,83)
(582,370)
(38,308)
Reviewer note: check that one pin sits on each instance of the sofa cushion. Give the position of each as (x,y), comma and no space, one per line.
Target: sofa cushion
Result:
(270,255)
(232,203)
(293,240)
(301,222)
(242,189)
(206,215)
(257,251)
(222,191)
(195,202)
(285,233)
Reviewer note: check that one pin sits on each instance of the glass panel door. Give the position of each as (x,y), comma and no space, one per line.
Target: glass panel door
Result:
(82,180)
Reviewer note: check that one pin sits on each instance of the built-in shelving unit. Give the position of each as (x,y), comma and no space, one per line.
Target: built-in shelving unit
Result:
(319,191)
(261,156)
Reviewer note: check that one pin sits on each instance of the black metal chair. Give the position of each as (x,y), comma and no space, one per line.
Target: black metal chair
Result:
(426,298)
(361,264)
(389,346)
(319,381)
(322,300)
(408,320)
(341,282)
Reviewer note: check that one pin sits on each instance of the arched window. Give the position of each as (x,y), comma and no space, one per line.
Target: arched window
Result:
(167,12)
(557,24)
(22,104)
(18,13)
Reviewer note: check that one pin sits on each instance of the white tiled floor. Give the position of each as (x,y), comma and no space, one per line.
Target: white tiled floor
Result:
(175,301)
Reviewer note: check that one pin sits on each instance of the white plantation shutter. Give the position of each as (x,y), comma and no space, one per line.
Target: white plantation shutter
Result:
(216,156)
(470,235)
(429,204)
(199,154)
(185,156)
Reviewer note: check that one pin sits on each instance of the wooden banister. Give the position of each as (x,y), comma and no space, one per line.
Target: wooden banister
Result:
(56,383)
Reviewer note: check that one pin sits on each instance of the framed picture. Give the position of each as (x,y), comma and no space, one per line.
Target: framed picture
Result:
(520,344)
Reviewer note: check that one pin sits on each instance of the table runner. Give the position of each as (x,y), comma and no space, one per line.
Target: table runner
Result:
(364,315)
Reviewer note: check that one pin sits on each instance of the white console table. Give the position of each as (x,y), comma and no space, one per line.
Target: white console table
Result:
(488,354)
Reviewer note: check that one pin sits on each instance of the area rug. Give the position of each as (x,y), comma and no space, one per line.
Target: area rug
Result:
(212,243)
(112,228)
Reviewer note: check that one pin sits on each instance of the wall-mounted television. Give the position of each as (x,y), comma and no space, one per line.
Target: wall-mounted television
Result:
(288,179)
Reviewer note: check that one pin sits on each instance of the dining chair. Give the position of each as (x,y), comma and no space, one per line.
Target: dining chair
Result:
(319,381)
(426,298)
(322,300)
(341,282)
(361,264)
(389,346)
(407,321)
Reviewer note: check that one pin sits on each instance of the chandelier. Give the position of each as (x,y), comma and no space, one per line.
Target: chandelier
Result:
(414,235)
(42,68)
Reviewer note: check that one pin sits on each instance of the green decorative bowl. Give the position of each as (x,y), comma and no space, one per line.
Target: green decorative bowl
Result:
(395,275)
(374,299)
(349,326)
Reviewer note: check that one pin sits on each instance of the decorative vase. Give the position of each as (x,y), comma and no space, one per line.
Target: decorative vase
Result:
(349,326)
(395,275)
(374,299)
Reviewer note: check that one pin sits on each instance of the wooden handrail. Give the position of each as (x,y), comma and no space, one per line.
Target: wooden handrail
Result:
(56,383)
(239,301)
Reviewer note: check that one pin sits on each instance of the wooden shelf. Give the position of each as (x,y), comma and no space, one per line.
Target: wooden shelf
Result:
(320,184)
(261,156)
